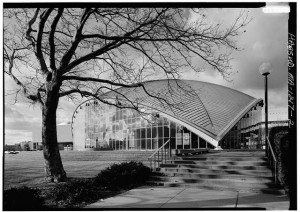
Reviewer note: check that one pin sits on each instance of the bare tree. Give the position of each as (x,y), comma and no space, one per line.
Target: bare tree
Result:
(73,52)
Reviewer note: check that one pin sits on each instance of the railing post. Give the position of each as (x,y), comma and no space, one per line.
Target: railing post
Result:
(165,155)
(275,171)
(158,159)
(154,162)
(170,152)
(272,159)
(162,157)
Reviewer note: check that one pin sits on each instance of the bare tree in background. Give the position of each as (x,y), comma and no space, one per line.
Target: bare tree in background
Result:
(76,53)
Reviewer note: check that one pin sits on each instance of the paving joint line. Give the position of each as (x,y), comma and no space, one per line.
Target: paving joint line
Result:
(173,197)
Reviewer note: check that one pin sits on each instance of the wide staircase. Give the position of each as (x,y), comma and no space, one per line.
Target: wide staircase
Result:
(244,171)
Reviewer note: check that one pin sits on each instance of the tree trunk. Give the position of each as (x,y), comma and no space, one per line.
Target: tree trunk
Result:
(53,165)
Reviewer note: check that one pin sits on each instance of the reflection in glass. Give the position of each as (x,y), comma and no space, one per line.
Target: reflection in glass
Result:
(125,129)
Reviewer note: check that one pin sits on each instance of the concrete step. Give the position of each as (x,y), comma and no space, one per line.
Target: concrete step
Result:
(266,173)
(234,181)
(239,150)
(245,171)
(237,153)
(207,157)
(220,185)
(266,190)
(220,176)
(221,163)
(214,167)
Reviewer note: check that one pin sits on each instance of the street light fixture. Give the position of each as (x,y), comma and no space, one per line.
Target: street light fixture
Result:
(265,69)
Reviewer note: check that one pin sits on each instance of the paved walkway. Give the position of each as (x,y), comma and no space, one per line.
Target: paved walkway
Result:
(181,197)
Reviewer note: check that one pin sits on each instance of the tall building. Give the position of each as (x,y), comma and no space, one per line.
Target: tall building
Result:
(64,137)
(192,114)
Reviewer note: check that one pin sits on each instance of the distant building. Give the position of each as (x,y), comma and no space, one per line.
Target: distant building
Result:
(64,137)
(13,147)
(26,145)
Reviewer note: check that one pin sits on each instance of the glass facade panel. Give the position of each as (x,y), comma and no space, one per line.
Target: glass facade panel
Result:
(202,143)
(173,129)
(154,132)
(166,131)
(173,143)
(160,131)
(194,141)
(125,129)
(155,143)
(160,142)
(143,143)
(148,133)
(148,143)
(137,144)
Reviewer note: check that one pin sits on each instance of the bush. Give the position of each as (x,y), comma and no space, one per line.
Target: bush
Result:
(22,198)
(73,192)
(77,192)
(279,141)
(123,176)
(284,167)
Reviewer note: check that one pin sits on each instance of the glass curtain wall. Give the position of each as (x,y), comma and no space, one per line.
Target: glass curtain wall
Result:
(246,134)
(125,129)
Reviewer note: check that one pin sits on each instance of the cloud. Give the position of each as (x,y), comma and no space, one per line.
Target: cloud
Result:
(17,118)
(278,98)
(65,111)
(21,118)
(264,41)
(16,136)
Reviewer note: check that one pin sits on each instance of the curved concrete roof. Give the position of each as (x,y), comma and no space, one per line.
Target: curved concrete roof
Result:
(208,108)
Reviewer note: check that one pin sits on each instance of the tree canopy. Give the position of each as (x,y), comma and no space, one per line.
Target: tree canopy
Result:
(94,50)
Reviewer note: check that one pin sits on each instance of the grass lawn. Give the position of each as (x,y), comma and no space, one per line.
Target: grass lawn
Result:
(89,179)
(27,168)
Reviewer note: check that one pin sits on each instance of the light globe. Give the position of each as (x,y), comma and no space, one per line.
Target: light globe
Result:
(265,69)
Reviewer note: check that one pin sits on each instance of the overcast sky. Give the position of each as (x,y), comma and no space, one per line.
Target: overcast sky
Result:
(265,40)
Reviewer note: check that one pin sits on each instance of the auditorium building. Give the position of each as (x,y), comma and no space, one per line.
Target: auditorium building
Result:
(192,114)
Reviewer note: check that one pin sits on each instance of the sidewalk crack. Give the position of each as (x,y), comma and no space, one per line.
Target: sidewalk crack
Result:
(173,197)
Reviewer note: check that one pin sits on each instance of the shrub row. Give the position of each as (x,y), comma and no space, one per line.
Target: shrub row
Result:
(22,198)
(76,192)
(123,176)
(280,143)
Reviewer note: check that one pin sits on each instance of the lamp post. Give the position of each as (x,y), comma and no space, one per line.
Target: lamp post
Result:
(265,69)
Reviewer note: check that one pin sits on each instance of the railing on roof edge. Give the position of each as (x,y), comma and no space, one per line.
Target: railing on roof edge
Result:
(160,155)
(272,160)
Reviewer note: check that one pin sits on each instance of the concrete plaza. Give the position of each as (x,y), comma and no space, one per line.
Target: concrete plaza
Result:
(193,198)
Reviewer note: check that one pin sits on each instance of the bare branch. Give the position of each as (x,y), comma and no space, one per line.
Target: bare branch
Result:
(39,54)
(76,39)
(51,38)
(116,43)
(10,60)
(29,30)
(90,79)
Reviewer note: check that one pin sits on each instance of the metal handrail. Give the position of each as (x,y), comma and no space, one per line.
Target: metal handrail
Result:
(156,153)
(274,158)
(273,154)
